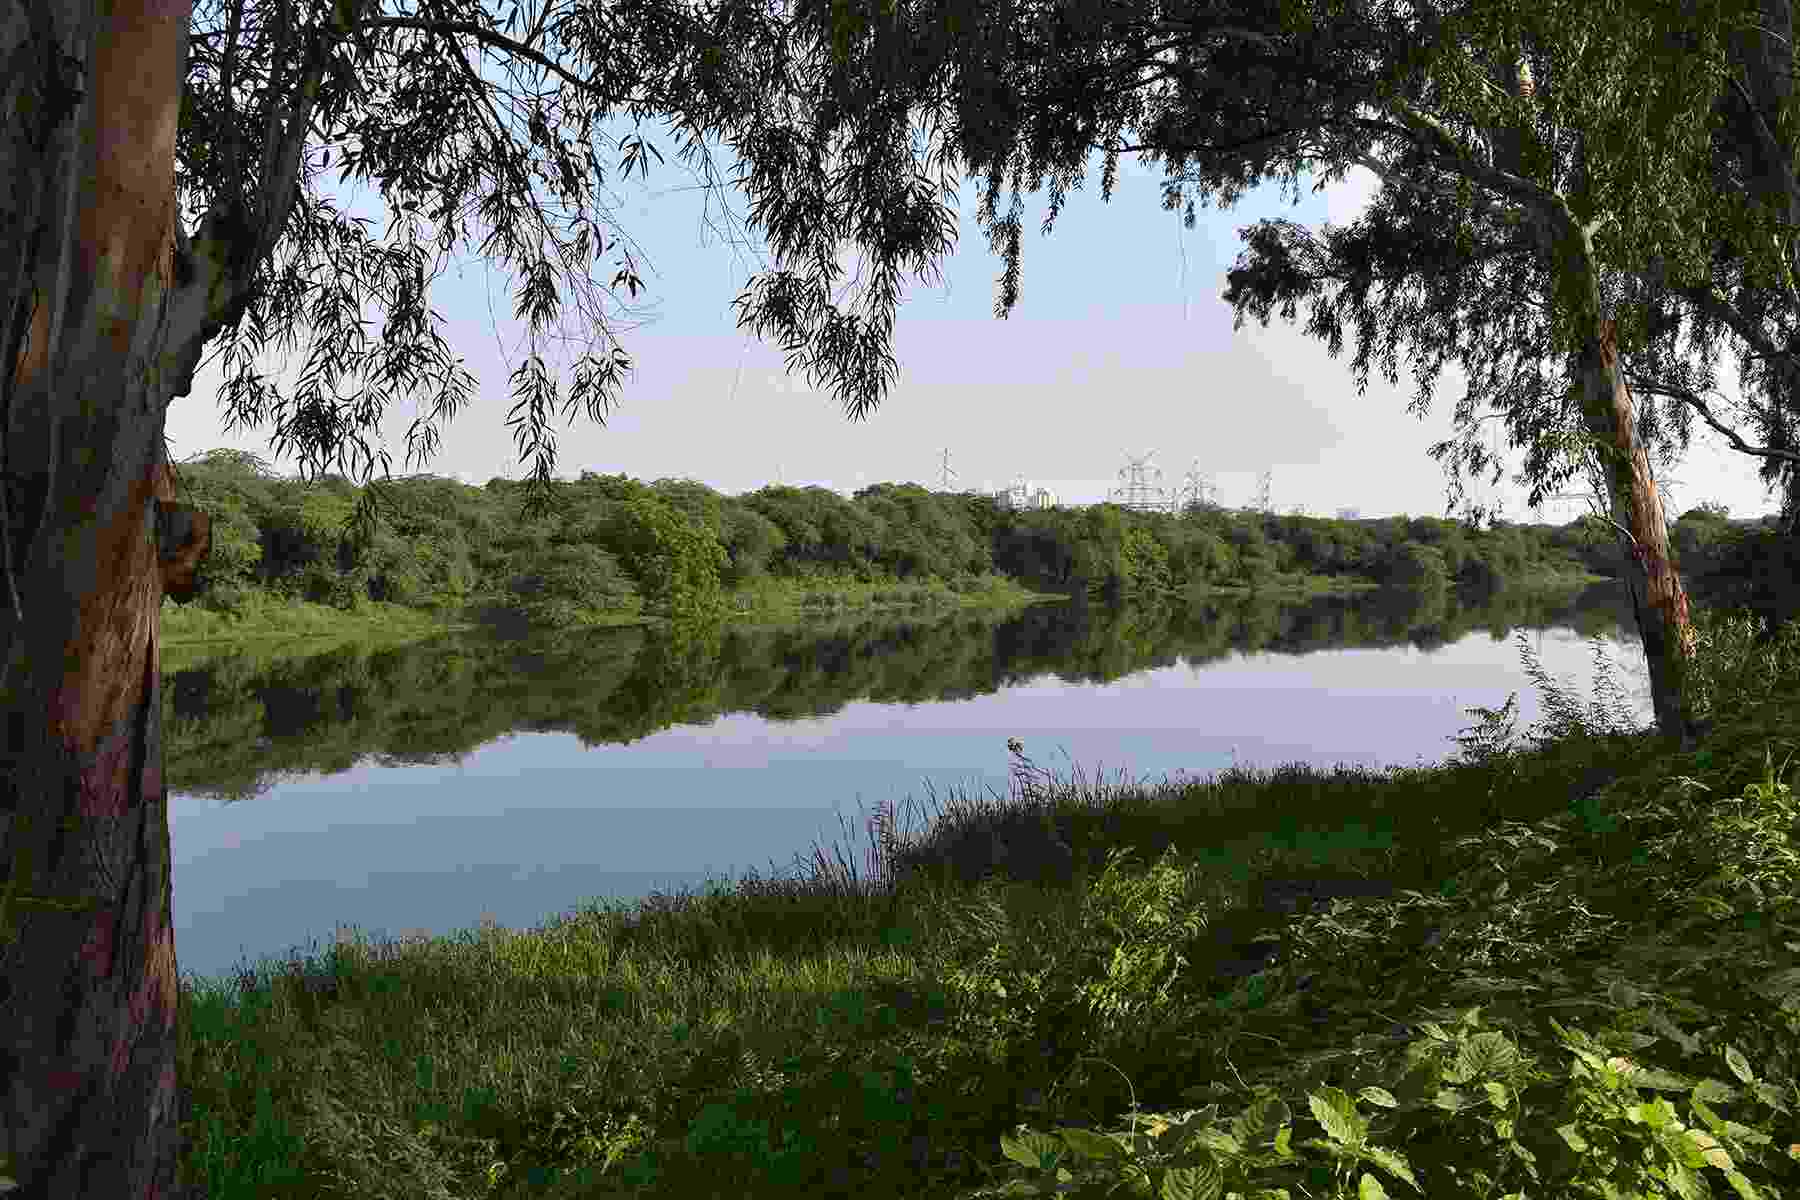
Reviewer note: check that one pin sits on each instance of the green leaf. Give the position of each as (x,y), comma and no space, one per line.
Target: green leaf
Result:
(1202,1181)
(1038,1151)
(1090,1144)
(1336,1111)
(1710,1150)
(1393,1162)
(1379,1095)
(1742,1185)
(1452,1100)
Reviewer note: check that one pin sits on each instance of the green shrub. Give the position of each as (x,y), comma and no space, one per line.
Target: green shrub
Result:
(1475,1113)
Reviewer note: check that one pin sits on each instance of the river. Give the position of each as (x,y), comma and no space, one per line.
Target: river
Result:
(431,786)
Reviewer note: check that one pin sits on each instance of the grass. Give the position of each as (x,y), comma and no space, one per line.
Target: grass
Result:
(260,617)
(1295,582)
(1566,965)
(189,631)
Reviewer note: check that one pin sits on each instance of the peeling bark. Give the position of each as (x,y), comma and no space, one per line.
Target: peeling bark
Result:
(88,977)
(1663,616)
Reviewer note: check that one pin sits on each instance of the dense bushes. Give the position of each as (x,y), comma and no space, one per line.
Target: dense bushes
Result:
(618,545)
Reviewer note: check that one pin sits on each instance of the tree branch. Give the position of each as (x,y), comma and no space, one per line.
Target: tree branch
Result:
(1771,147)
(1642,384)
(1191,31)
(498,41)
(1549,206)
(1707,300)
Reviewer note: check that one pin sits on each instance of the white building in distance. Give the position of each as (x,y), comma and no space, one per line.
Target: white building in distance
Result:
(1021,495)
(1349,514)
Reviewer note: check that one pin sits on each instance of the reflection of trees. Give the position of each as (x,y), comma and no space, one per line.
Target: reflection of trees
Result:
(676,679)
(234,723)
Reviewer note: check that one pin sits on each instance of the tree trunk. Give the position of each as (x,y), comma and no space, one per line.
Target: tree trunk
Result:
(1662,616)
(98,334)
(1636,507)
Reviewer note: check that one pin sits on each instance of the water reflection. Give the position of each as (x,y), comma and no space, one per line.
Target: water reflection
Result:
(238,722)
(423,786)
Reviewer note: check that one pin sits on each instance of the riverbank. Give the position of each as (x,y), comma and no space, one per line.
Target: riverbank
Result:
(187,627)
(1380,995)
(190,629)
(1298,584)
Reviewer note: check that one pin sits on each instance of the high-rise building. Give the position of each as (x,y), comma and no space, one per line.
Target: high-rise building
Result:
(1018,496)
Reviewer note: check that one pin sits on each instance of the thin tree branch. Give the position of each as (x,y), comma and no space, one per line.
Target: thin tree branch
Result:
(1708,301)
(498,41)
(232,131)
(1550,206)
(1642,384)
(1771,147)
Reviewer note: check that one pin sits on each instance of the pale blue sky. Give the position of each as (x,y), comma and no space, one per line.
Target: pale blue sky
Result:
(1119,344)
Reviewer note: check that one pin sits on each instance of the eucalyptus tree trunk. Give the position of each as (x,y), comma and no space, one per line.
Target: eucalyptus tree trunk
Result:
(1663,618)
(98,334)
(1608,416)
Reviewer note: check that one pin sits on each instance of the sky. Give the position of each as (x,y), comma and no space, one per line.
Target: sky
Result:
(1120,346)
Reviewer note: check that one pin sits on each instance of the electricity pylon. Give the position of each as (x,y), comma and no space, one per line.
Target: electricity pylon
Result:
(1139,494)
(948,473)
(1262,492)
(1195,489)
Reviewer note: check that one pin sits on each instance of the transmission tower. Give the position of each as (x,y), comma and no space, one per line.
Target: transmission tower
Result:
(948,473)
(1139,494)
(1195,489)
(1262,492)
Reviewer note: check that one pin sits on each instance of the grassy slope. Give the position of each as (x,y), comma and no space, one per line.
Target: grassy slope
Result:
(768,600)
(1519,972)
(771,600)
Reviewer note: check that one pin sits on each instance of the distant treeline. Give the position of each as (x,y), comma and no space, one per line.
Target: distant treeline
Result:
(623,546)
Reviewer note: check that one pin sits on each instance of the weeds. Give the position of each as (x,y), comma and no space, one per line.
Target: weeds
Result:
(1508,982)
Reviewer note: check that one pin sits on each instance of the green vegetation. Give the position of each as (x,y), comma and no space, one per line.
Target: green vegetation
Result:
(447,555)
(1559,967)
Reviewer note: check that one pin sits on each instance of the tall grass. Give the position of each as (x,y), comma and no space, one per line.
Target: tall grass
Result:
(1562,966)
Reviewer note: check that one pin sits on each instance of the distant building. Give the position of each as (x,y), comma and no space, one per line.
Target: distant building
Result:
(1349,514)
(1021,496)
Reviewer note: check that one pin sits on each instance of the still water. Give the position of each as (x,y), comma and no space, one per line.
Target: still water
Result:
(475,777)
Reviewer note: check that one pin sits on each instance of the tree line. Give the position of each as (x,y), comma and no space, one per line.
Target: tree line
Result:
(676,547)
